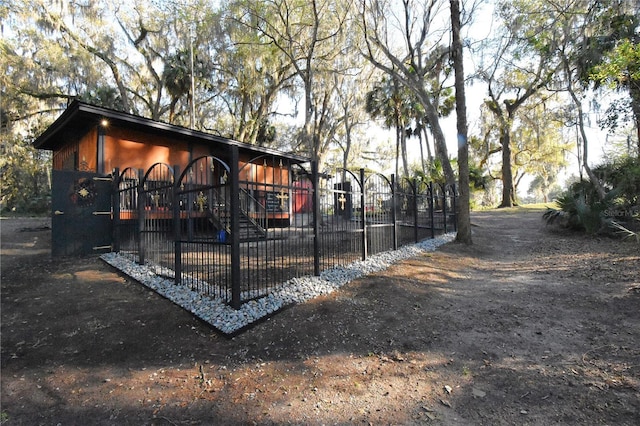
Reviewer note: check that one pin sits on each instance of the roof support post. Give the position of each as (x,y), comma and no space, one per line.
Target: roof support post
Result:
(100,149)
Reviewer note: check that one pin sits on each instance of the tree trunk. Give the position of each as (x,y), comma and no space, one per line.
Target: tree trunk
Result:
(585,152)
(439,140)
(403,147)
(507,173)
(463,214)
(424,170)
(397,149)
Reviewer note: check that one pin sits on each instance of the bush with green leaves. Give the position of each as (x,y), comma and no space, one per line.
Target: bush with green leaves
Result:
(24,178)
(583,209)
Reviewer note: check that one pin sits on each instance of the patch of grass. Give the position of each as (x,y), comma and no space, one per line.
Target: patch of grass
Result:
(525,208)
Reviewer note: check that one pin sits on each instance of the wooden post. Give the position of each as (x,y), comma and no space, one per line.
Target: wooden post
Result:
(100,145)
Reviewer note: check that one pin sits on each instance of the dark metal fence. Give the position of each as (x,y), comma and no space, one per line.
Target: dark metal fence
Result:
(239,230)
(155,218)
(125,218)
(340,231)
(202,227)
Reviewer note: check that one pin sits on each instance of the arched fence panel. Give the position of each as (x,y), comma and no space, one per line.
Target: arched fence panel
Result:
(126,236)
(275,224)
(340,225)
(203,228)
(444,208)
(406,206)
(425,212)
(155,219)
(451,197)
(379,214)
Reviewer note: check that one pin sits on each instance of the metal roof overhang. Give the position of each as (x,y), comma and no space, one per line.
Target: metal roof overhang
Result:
(79,118)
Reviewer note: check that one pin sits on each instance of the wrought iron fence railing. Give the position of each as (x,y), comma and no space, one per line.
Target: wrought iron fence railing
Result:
(238,233)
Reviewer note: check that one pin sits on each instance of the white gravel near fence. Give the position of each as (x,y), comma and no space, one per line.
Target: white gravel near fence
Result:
(297,290)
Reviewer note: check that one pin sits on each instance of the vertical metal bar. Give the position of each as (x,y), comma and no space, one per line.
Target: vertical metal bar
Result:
(444,206)
(141,206)
(315,182)
(414,208)
(115,208)
(431,213)
(455,209)
(363,215)
(394,203)
(177,244)
(235,229)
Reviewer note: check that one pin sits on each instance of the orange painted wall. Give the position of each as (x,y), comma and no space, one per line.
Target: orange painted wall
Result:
(87,158)
(260,173)
(126,153)
(126,148)
(134,149)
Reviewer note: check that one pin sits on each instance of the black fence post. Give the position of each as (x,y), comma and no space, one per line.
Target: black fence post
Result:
(414,207)
(394,204)
(315,178)
(141,206)
(431,212)
(444,206)
(115,209)
(363,210)
(177,237)
(235,229)
(455,208)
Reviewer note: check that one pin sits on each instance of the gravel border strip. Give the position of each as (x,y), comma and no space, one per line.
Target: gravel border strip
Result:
(297,290)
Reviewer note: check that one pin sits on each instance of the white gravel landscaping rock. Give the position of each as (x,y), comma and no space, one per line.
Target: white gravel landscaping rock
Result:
(297,290)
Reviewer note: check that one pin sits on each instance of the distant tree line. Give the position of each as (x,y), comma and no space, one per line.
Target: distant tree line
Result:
(311,76)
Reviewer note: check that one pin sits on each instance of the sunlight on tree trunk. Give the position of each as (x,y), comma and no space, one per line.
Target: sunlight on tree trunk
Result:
(463,214)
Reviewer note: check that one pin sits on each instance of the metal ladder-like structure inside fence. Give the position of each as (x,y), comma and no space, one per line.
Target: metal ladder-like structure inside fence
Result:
(252,224)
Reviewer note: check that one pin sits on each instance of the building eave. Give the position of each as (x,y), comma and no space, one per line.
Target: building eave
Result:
(80,117)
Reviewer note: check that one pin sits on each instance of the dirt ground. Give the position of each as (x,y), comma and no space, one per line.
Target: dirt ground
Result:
(528,326)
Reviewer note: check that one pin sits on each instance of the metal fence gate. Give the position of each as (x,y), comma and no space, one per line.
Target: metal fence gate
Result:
(340,234)
(202,214)
(125,213)
(155,202)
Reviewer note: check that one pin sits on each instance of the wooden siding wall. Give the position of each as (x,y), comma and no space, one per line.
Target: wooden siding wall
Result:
(124,148)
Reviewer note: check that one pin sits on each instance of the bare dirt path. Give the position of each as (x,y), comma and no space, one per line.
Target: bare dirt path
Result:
(527,326)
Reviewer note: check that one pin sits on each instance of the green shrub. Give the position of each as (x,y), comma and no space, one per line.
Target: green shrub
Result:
(581,207)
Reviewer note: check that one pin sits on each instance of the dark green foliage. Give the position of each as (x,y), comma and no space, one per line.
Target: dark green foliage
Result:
(24,179)
(623,176)
(581,208)
(477,179)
